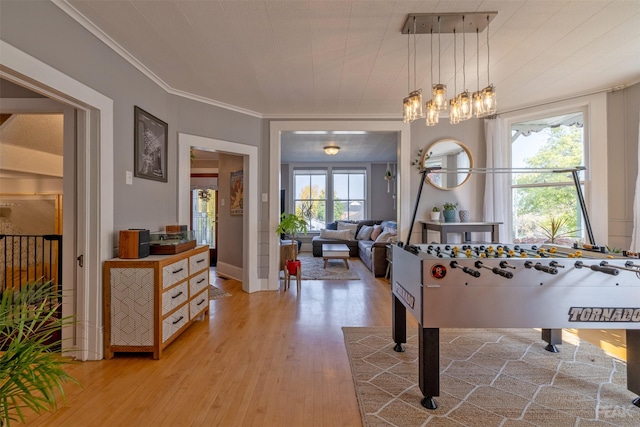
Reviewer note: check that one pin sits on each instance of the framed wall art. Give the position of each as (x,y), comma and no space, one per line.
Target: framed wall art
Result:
(237,196)
(150,146)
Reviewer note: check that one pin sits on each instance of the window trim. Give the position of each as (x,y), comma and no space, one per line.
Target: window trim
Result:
(329,168)
(595,140)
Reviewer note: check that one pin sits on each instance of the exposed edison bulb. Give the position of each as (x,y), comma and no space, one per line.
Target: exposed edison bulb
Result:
(440,96)
(454,111)
(406,110)
(433,115)
(465,105)
(478,106)
(489,100)
(416,105)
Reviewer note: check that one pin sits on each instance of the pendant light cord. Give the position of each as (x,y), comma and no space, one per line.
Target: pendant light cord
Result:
(464,57)
(415,54)
(488,79)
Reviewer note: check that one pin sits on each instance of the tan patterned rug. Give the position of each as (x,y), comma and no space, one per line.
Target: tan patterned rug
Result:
(217,293)
(490,377)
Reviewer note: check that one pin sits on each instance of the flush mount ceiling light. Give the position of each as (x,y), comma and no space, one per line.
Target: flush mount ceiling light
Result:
(452,23)
(331,149)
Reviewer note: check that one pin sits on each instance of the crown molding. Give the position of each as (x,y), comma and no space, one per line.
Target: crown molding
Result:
(102,36)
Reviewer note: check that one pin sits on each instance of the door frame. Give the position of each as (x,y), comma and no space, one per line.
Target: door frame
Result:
(94,188)
(250,248)
(213,253)
(404,158)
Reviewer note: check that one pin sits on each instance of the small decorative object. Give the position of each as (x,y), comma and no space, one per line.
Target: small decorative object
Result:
(150,141)
(435,214)
(464,215)
(389,176)
(449,212)
(418,162)
(237,193)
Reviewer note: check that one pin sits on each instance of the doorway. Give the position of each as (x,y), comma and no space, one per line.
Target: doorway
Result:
(204,220)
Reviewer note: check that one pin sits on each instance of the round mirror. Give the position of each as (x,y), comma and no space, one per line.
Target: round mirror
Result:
(449,154)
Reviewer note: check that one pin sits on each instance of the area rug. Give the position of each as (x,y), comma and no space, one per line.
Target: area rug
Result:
(490,377)
(312,269)
(216,293)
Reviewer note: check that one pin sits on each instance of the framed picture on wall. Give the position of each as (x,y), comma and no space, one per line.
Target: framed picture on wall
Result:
(237,193)
(150,146)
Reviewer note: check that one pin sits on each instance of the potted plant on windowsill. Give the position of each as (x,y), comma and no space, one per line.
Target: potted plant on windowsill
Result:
(291,225)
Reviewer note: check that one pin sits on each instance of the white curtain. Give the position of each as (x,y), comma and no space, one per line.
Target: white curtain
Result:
(495,200)
(635,236)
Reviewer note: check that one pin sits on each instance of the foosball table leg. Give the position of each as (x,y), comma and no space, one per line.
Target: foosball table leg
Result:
(633,363)
(553,337)
(429,365)
(399,327)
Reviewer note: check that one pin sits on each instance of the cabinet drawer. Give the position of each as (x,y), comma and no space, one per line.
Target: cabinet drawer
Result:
(198,262)
(198,304)
(199,282)
(174,322)
(173,273)
(174,297)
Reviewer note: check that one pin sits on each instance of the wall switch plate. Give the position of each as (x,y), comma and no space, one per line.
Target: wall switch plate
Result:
(221,202)
(129,178)
(265,197)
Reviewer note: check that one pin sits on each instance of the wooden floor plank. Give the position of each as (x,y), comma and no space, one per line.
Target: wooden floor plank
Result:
(263,359)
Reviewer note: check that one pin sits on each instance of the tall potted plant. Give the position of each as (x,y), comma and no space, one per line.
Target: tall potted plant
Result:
(31,367)
(291,225)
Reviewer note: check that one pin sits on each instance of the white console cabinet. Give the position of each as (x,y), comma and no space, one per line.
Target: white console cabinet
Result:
(149,302)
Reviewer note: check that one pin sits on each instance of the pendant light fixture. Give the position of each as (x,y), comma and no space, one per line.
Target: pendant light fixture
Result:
(489,92)
(454,107)
(406,102)
(439,90)
(464,98)
(464,105)
(433,115)
(478,106)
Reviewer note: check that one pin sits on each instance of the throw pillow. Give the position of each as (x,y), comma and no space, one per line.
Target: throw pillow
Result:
(384,237)
(332,226)
(377,229)
(364,233)
(335,234)
(348,226)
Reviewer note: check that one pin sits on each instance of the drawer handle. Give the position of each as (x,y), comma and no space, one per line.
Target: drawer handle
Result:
(200,260)
(178,270)
(179,319)
(201,301)
(200,281)
(176,295)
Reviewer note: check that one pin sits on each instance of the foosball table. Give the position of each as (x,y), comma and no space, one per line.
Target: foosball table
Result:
(513,286)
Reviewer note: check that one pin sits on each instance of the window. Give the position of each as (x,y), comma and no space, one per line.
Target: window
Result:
(349,201)
(545,205)
(311,188)
(310,193)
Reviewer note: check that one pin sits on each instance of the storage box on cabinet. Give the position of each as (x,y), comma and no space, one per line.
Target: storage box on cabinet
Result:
(149,302)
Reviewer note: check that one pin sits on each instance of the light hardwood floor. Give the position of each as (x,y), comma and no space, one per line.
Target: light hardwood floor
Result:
(262,359)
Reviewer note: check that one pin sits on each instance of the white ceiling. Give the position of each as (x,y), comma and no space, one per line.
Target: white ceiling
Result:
(339,59)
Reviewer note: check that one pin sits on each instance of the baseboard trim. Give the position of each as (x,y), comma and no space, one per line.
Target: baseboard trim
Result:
(229,271)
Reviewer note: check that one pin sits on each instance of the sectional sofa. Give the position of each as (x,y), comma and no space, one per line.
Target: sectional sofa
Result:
(357,235)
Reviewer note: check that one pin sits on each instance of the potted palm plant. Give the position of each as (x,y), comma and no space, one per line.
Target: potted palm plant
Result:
(291,225)
(31,367)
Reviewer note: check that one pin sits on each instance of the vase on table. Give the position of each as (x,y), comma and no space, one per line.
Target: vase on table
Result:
(435,216)
(464,215)
(449,215)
